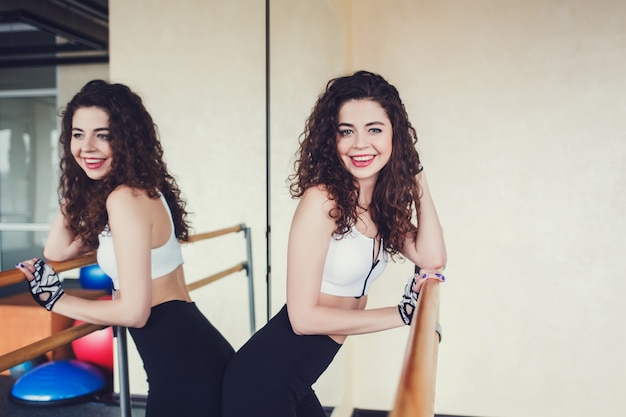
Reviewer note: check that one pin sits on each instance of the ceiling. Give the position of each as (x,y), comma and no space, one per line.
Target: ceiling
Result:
(35,33)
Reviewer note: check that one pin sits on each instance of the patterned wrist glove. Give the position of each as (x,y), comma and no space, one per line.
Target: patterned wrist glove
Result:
(46,286)
(406,308)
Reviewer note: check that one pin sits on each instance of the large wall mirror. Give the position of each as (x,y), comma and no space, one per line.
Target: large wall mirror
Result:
(518,107)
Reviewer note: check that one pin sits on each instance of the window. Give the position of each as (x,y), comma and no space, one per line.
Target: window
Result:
(28,160)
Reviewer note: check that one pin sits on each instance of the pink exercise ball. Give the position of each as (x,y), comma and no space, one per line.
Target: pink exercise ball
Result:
(96,347)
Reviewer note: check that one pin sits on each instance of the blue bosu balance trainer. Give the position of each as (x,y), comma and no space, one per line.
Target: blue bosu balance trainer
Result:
(20,369)
(64,381)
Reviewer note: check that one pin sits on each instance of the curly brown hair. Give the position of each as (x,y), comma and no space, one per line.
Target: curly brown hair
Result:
(137,162)
(395,199)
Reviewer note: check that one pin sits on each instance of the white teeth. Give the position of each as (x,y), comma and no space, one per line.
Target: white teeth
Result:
(93,161)
(363,158)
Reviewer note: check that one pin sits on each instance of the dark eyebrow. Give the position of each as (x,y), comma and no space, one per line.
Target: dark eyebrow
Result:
(375,123)
(99,129)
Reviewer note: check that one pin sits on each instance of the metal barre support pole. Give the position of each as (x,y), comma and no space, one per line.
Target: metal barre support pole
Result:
(122,368)
(122,352)
(248,234)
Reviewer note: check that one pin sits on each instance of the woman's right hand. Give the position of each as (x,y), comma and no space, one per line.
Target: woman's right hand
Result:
(45,285)
(407,305)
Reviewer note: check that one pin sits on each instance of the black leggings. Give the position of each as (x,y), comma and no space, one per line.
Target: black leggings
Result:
(272,374)
(184,357)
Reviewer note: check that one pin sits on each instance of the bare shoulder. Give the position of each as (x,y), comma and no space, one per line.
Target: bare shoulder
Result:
(127,199)
(124,192)
(317,196)
(314,210)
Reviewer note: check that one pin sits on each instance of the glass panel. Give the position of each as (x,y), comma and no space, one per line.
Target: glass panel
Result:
(28,175)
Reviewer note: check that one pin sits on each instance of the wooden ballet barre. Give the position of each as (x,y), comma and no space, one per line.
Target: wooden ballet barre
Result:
(215,233)
(415,396)
(66,336)
(14,276)
(42,346)
(204,281)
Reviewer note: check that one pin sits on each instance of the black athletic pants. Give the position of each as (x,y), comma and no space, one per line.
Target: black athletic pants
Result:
(185,357)
(272,374)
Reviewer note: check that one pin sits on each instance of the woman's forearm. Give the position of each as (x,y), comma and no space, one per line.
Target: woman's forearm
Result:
(430,248)
(61,244)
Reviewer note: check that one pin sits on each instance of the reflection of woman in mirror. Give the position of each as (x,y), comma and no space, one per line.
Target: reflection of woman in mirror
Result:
(363,199)
(118,197)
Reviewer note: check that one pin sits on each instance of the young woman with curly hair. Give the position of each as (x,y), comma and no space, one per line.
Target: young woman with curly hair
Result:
(117,197)
(363,199)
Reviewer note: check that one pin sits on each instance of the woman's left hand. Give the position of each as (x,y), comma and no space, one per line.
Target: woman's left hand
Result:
(426,274)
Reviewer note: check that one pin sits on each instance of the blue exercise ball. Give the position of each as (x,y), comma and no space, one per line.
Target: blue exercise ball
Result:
(93,278)
(58,382)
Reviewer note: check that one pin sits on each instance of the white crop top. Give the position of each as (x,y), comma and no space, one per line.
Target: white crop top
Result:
(350,267)
(164,259)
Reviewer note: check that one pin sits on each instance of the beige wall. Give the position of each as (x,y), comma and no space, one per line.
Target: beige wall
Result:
(307,49)
(519,107)
(71,78)
(199,65)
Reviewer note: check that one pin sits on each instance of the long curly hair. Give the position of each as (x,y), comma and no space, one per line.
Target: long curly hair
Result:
(395,199)
(137,162)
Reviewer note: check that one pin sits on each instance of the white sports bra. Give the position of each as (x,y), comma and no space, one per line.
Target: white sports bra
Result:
(164,259)
(350,267)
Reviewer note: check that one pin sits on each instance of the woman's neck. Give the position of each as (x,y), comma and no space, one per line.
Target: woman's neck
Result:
(366,191)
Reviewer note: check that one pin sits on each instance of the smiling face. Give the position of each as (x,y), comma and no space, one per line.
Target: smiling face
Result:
(364,138)
(89,144)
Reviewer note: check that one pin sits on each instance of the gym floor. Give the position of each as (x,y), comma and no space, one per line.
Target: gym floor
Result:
(9,408)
